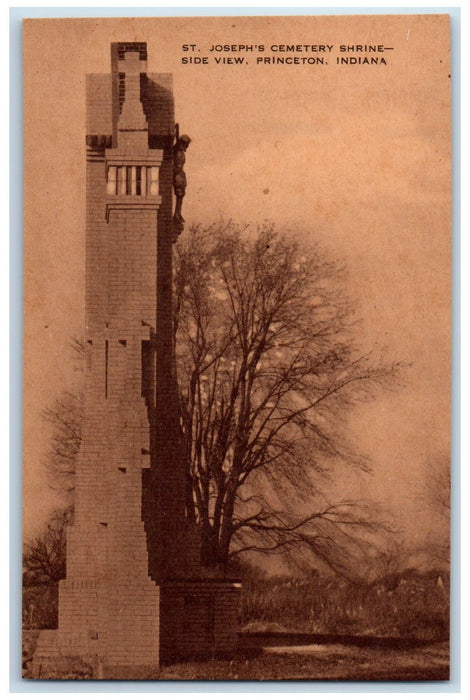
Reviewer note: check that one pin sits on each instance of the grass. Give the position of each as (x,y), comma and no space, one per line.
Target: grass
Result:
(321,662)
(314,662)
(409,607)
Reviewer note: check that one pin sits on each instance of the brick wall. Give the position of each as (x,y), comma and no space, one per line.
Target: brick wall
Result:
(198,618)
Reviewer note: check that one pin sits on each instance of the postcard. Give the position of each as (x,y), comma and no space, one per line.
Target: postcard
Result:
(237,343)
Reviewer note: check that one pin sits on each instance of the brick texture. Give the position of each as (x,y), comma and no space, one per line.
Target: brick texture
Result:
(199,618)
(133,591)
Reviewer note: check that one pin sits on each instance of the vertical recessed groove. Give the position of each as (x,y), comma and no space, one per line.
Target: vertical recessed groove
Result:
(106,353)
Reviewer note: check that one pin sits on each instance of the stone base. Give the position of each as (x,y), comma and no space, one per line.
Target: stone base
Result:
(49,663)
(76,668)
(198,618)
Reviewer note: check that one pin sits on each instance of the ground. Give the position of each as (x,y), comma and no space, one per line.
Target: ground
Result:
(320,661)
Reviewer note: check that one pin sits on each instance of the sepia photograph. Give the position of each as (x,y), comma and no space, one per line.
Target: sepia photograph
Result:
(237,348)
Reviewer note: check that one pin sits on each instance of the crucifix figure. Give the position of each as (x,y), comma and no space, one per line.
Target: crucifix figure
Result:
(179,181)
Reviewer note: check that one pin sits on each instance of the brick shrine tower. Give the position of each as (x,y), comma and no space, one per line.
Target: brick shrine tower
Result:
(134,594)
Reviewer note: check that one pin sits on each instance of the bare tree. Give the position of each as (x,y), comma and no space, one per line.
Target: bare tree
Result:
(437,496)
(44,555)
(267,366)
(65,416)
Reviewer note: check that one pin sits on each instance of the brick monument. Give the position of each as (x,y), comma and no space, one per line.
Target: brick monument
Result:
(135,594)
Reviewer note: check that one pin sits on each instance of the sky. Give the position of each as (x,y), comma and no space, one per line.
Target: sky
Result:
(354,156)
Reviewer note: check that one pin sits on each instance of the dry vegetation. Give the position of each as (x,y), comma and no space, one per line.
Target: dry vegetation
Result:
(408,604)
